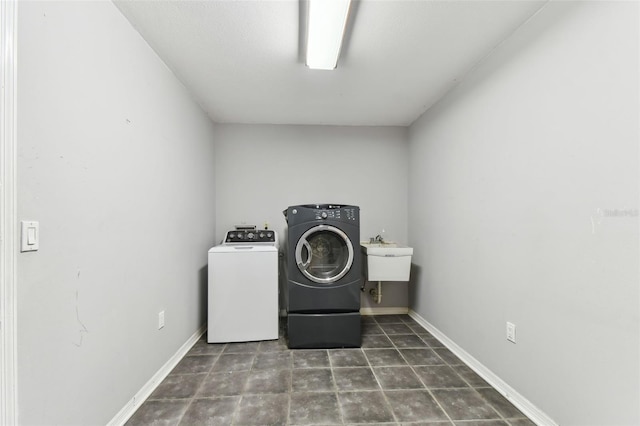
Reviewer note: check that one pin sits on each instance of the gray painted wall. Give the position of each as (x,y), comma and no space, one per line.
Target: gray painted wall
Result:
(515,178)
(512,185)
(263,169)
(115,161)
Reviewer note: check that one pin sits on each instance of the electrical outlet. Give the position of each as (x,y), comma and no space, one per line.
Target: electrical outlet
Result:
(160,320)
(511,332)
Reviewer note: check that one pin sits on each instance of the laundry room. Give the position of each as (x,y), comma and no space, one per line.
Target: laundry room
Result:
(311,164)
(514,179)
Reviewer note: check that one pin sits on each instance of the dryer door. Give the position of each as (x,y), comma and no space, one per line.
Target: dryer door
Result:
(324,254)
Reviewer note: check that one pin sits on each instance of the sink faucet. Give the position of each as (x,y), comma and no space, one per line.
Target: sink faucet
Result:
(378,239)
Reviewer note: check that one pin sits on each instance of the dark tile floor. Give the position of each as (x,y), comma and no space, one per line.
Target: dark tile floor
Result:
(401,375)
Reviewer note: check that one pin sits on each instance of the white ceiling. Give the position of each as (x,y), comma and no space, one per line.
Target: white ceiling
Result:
(244,60)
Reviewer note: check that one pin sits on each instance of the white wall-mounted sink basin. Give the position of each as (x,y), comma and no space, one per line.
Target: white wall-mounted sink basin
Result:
(386,261)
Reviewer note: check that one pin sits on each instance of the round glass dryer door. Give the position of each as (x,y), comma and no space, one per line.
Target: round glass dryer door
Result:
(324,254)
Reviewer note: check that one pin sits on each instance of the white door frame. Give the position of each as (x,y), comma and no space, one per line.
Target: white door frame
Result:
(8,213)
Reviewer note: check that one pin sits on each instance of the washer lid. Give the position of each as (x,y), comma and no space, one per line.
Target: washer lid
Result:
(243,248)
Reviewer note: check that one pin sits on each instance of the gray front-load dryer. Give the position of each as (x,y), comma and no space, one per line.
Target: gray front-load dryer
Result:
(323,272)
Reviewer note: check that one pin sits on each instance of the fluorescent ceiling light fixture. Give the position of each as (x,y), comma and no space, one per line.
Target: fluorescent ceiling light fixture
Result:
(326,25)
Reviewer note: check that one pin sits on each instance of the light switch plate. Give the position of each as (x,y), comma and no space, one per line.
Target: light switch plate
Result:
(30,235)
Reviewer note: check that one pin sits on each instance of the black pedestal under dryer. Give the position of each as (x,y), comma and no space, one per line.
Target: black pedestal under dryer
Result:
(323,271)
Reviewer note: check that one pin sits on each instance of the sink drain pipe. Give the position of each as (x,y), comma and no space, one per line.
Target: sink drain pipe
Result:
(376,292)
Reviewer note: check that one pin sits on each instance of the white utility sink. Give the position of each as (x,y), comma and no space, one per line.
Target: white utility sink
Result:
(386,261)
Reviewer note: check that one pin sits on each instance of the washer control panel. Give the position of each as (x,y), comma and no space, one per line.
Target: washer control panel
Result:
(250,236)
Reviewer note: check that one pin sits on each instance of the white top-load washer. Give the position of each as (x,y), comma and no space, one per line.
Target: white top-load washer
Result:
(243,287)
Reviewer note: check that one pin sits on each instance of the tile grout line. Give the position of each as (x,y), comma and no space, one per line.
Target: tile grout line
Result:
(384,395)
(290,368)
(236,410)
(421,381)
(193,397)
(479,394)
(473,388)
(335,387)
(431,393)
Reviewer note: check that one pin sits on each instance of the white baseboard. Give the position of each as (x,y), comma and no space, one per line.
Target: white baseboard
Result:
(127,411)
(384,311)
(523,404)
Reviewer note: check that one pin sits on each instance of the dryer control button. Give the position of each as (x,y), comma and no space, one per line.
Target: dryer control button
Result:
(323,215)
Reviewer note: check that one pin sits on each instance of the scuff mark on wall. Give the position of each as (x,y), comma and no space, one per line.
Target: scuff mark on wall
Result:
(82,328)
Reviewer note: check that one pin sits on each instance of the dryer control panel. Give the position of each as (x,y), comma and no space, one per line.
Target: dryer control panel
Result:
(332,211)
(305,212)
